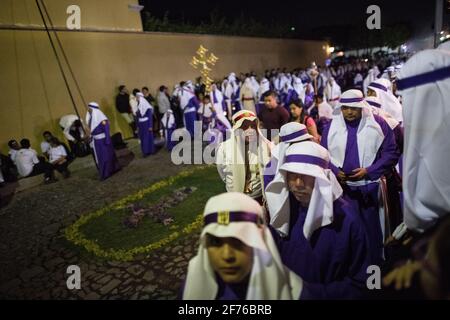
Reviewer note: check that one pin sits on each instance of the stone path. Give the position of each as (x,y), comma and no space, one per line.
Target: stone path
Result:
(34,255)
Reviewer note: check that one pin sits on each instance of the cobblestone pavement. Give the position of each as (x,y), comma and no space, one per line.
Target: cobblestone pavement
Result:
(34,255)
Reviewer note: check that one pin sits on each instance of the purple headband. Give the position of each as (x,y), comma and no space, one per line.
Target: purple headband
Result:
(225,217)
(424,78)
(293,135)
(350,100)
(378,86)
(373,103)
(303,158)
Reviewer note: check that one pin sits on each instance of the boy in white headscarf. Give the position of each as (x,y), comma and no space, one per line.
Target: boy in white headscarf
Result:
(319,234)
(237,258)
(242,158)
(362,148)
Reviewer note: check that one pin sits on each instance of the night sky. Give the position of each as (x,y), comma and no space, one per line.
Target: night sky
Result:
(303,15)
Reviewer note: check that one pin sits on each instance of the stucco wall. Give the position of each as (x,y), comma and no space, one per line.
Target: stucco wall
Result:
(34,96)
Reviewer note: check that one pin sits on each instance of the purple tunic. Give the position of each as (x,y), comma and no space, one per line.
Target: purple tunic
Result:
(145,133)
(105,156)
(333,263)
(225,291)
(169,130)
(366,197)
(191,116)
(231,291)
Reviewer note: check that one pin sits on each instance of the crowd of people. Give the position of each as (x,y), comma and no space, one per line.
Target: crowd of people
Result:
(335,189)
(321,183)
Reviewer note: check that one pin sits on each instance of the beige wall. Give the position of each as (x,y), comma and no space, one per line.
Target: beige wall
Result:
(94,14)
(34,96)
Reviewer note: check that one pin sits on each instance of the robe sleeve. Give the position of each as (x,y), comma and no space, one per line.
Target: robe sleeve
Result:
(150,117)
(388,154)
(220,162)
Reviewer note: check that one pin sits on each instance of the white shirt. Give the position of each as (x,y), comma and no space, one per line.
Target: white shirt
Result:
(25,161)
(133,104)
(56,153)
(12,155)
(163,102)
(45,146)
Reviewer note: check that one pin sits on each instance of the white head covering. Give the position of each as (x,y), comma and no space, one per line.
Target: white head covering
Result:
(185,94)
(369,135)
(97,116)
(311,159)
(264,87)
(333,90)
(389,102)
(168,119)
(255,85)
(374,102)
(299,88)
(289,133)
(425,87)
(269,278)
(68,120)
(358,78)
(232,77)
(248,84)
(287,87)
(143,105)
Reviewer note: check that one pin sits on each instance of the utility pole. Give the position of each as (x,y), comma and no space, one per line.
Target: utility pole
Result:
(439,13)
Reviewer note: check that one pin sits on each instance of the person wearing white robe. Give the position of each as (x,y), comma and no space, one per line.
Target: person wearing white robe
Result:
(247,96)
(241,159)
(332,92)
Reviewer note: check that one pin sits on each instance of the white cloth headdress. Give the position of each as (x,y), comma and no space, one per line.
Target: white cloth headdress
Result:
(96,117)
(389,102)
(238,216)
(308,158)
(143,105)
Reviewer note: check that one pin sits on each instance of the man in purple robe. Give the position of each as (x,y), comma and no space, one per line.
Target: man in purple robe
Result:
(144,117)
(362,149)
(318,233)
(189,104)
(105,157)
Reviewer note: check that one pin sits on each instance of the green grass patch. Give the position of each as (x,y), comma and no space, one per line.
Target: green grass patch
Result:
(109,232)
